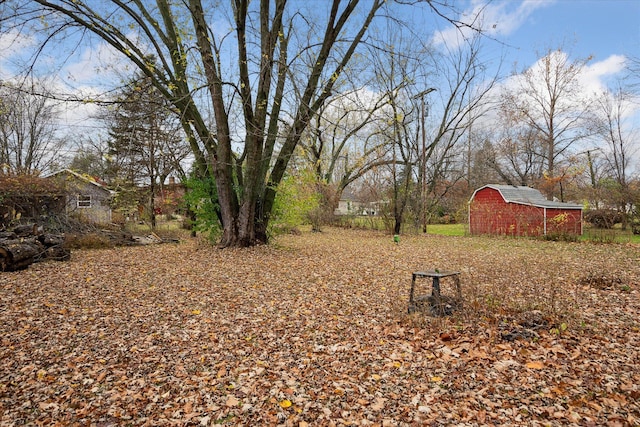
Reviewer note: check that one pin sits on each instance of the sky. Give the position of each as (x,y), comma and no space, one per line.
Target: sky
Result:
(598,28)
(521,28)
(520,32)
(517,30)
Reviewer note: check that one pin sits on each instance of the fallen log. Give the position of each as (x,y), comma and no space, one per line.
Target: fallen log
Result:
(18,254)
(27,230)
(28,244)
(49,240)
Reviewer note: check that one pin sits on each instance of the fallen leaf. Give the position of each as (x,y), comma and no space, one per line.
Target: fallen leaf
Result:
(285,403)
(535,365)
(232,401)
(290,322)
(188,408)
(445,336)
(378,404)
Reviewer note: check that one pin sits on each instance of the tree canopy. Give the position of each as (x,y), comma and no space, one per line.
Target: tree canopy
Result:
(255,84)
(263,68)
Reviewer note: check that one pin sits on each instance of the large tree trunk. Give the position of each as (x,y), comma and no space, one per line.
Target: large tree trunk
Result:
(242,222)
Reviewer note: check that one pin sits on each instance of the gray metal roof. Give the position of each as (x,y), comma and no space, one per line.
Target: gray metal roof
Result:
(528,196)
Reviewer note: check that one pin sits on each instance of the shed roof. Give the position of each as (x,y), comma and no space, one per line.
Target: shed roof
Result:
(81,177)
(527,196)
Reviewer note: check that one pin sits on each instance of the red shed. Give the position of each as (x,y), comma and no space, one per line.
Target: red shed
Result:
(520,211)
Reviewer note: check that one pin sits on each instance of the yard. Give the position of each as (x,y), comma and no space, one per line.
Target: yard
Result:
(314,330)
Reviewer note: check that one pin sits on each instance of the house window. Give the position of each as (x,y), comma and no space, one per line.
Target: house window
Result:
(84,201)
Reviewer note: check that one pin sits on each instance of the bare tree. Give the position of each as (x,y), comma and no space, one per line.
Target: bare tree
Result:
(28,140)
(90,156)
(546,100)
(465,99)
(247,70)
(483,167)
(252,76)
(620,145)
(519,151)
(394,70)
(426,164)
(343,139)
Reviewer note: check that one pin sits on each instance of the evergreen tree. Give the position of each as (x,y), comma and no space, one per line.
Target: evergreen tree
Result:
(145,143)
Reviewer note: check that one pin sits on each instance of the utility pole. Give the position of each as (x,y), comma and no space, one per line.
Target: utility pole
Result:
(423,156)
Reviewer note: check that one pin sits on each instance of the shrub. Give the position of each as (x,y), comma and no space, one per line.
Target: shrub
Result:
(202,199)
(559,236)
(603,218)
(87,241)
(28,196)
(298,201)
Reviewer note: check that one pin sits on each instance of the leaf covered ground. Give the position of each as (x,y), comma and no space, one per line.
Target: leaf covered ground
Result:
(314,330)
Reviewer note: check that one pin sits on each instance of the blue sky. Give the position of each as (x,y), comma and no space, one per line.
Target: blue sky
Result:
(596,27)
(520,32)
(583,28)
(607,29)
(601,28)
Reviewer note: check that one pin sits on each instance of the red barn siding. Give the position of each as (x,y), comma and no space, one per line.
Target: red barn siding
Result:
(564,221)
(489,213)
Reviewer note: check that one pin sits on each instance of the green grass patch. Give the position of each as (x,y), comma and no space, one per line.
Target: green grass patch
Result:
(613,235)
(447,229)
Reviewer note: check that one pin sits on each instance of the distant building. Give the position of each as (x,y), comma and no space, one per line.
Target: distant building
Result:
(349,204)
(521,211)
(86,199)
(169,197)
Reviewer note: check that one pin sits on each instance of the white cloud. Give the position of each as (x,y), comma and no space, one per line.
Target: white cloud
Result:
(89,74)
(12,41)
(594,77)
(86,74)
(96,64)
(495,19)
(12,44)
(594,80)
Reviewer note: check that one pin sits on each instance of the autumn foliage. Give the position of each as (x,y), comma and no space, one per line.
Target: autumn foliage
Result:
(314,330)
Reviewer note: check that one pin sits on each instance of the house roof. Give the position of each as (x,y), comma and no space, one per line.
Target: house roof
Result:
(527,196)
(85,178)
(348,195)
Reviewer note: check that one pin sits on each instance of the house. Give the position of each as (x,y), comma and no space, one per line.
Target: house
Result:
(169,198)
(86,199)
(349,204)
(521,211)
